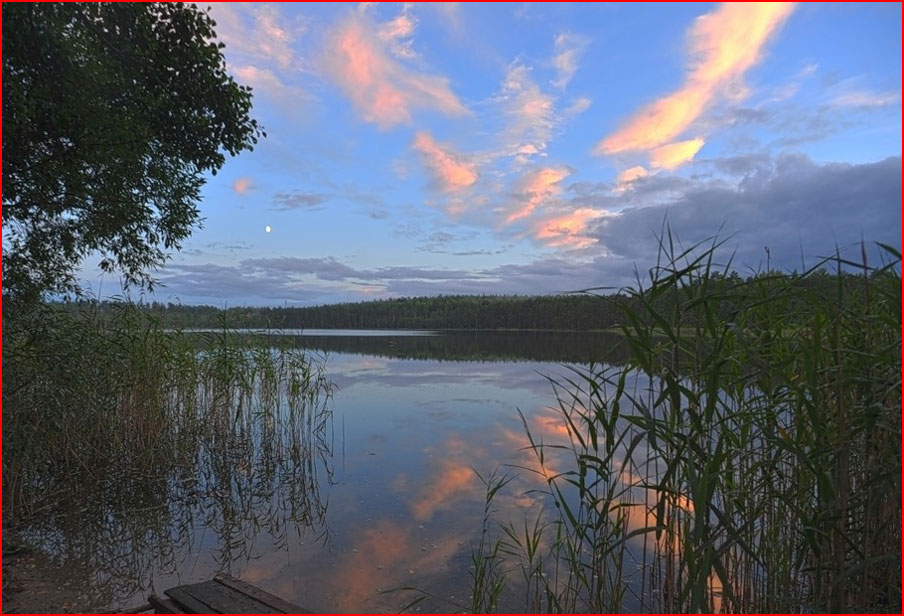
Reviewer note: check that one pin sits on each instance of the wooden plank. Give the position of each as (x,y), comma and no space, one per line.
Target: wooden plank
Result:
(186,600)
(222,599)
(163,606)
(280,605)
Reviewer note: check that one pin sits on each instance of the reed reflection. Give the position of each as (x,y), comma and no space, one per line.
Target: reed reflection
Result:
(252,463)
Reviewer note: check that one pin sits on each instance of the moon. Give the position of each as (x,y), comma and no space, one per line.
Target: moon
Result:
(267,229)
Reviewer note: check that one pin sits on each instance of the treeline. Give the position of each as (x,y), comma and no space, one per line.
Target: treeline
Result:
(573,312)
(466,312)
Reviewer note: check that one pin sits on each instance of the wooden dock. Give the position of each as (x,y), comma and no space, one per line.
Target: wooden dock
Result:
(221,595)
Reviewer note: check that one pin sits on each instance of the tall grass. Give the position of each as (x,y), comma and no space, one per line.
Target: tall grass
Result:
(746,459)
(118,434)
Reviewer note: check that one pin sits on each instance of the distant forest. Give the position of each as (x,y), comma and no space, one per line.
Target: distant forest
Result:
(573,312)
(466,312)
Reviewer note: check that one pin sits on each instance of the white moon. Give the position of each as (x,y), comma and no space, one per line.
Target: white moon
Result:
(267,229)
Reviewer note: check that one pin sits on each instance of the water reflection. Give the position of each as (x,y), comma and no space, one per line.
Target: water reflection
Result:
(451,345)
(256,467)
(328,506)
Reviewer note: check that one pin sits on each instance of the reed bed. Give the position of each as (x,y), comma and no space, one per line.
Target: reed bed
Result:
(746,459)
(120,436)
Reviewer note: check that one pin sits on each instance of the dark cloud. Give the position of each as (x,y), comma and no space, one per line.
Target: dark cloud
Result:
(323,268)
(742,165)
(296,199)
(232,285)
(790,204)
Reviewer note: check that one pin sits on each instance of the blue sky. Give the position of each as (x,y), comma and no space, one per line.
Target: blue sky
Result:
(483,148)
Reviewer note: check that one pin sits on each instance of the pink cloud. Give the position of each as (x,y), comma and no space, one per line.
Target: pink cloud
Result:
(450,170)
(673,155)
(626,178)
(566,231)
(242,185)
(537,187)
(256,32)
(266,81)
(260,49)
(724,44)
(384,90)
(395,32)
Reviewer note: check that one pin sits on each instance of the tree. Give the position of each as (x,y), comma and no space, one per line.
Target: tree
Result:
(112,115)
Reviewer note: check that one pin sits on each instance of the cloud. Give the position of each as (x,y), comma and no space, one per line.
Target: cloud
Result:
(256,31)
(384,90)
(864,99)
(395,32)
(579,106)
(243,185)
(535,188)
(266,81)
(230,246)
(296,199)
(627,177)
(723,44)
(260,48)
(479,252)
(328,268)
(567,231)
(786,123)
(675,154)
(529,113)
(569,48)
(450,170)
(789,203)
(441,237)
(631,174)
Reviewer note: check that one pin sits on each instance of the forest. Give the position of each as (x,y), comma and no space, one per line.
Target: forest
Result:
(591,310)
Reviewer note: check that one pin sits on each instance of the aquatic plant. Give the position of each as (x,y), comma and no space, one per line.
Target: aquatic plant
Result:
(119,434)
(747,457)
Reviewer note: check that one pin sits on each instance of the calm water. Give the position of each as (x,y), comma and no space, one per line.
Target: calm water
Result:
(389,499)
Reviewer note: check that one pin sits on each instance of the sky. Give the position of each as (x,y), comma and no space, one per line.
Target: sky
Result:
(531,148)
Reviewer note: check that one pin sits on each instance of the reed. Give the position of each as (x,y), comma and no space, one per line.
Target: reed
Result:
(108,395)
(746,459)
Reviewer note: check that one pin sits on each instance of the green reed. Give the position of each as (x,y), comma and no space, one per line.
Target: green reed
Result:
(746,459)
(93,393)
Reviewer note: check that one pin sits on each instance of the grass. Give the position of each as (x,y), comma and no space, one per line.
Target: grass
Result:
(118,434)
(746,459)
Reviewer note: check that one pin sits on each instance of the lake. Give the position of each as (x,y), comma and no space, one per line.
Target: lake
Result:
(387,496)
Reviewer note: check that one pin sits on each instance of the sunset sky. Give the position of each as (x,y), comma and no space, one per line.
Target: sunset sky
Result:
(471,148)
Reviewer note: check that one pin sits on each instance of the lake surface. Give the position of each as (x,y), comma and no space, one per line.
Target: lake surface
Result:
(390,498)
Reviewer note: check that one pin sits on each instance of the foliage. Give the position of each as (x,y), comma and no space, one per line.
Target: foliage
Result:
(112,114)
